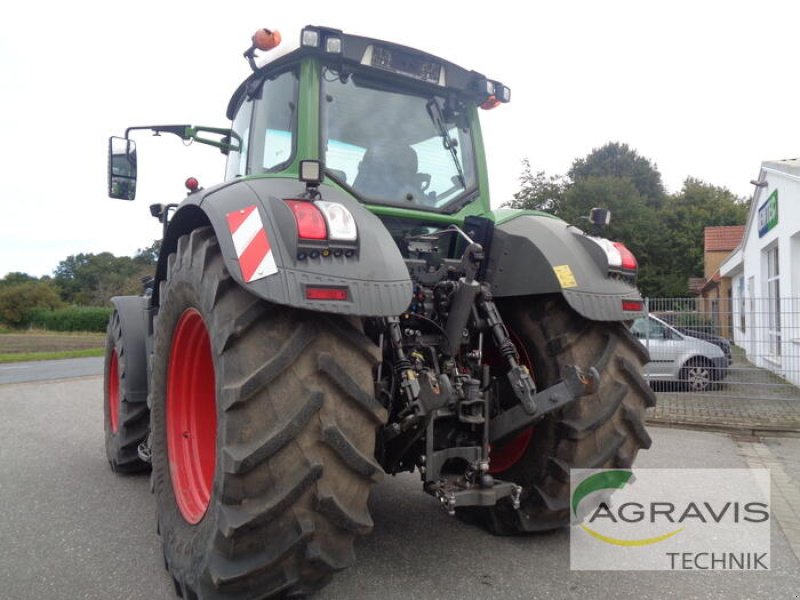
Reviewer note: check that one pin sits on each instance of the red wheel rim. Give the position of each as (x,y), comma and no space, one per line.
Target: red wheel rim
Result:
(191,416)
(504,456)
(113,393)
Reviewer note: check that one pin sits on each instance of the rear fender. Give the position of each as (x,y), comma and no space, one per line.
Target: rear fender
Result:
(375,276)
(133,321)
(533,254)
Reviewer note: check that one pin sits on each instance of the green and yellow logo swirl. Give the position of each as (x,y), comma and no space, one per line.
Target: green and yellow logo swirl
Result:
(611,480)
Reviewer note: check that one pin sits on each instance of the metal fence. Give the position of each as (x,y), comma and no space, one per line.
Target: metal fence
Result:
(725,346)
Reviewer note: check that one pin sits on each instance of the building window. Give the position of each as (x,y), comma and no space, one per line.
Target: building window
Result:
(773,303)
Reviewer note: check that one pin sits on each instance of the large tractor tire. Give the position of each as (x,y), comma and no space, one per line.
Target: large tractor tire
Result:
(263,435)
(602,430)
(126,416)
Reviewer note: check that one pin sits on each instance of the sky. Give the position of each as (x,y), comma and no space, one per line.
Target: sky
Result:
(704,89)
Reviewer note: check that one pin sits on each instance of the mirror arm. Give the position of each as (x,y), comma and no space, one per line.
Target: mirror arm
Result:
(187,132)
(182,131)
(226,146)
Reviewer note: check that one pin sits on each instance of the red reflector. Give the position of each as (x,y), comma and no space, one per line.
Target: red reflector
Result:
(632,305)
(628,259)
(320,293)
(309,219)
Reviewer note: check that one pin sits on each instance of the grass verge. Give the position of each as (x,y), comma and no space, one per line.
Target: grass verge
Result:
(10,357)
(33,341)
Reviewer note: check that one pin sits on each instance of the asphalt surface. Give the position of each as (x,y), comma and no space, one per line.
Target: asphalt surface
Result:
(720,410)
(50,369)
(71,529)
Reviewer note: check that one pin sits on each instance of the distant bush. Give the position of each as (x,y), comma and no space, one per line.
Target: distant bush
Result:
(693,319)
(20,301)
(690,320)
(73,318)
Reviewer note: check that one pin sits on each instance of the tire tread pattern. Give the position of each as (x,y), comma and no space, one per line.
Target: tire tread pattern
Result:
(296,430)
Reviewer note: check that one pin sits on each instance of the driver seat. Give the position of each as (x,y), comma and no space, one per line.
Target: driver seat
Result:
(389,171)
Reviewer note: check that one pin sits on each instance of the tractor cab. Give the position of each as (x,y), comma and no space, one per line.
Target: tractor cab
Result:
(395,127)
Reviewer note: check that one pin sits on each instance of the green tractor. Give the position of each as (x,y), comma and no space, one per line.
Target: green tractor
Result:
(345,305)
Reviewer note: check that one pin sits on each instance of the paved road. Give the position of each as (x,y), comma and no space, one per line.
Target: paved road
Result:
(70,529)
(44,370)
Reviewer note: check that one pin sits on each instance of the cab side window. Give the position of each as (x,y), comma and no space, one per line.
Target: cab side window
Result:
(237,161)
(275,115)
(266,122)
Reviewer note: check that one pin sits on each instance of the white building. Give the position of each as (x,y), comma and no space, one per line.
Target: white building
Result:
(765,273)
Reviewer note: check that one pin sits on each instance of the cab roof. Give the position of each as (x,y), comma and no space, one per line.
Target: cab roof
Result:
(379,59)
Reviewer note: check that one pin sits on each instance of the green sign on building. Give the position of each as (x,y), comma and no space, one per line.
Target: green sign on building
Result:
(768,214)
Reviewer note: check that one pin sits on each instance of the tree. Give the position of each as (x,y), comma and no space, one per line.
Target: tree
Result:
(685,216)
(619,195)
(618,160)
(665,232)
(539,191)
(148,256)
(16,278)
(92,279)
(633,221)
(19,301)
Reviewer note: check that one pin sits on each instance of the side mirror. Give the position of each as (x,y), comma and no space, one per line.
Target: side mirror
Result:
(600,217)
(121,168)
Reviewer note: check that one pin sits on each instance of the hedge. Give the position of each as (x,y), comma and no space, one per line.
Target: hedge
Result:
(693,319)
(73,318)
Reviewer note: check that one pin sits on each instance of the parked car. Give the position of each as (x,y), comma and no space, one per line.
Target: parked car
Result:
(677,357)
(702,332)
(721,342)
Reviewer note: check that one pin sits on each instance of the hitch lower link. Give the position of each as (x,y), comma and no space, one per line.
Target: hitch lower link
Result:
(576,382)
(477,487)
(533,404)
(449,495)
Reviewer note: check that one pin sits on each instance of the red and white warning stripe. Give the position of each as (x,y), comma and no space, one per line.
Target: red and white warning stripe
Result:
(252,245)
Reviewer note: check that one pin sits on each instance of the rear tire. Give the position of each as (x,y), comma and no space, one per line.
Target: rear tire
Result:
(294,440)
(603,430)
(126,423)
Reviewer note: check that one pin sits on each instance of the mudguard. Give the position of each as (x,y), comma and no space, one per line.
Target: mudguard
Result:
(532,254)
(370,270)
(133,321)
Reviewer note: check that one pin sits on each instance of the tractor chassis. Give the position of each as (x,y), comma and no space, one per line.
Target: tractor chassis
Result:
(434,390)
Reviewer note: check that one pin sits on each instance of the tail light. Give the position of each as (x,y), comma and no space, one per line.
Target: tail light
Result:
(323,220)
(340,221)
(627,259)
(309,219)
(618,255)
